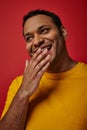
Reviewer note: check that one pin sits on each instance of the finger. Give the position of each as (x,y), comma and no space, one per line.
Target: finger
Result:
(42,64)
(41,72)
(35,56)
(37,53)
(40,57)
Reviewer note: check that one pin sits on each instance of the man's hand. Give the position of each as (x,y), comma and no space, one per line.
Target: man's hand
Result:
(34,71)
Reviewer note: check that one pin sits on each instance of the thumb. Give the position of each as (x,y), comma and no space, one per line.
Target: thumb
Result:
(26,64)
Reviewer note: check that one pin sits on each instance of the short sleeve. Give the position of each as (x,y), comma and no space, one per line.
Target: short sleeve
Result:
(13,88)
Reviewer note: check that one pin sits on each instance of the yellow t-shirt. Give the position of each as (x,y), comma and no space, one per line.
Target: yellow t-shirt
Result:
(60,103)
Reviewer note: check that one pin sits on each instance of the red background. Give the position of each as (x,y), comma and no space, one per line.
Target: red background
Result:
(12,46)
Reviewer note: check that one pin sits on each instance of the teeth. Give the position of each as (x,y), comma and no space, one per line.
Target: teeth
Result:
(48,47)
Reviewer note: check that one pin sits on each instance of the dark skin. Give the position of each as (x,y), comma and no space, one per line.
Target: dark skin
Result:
(44,33)
(46,45)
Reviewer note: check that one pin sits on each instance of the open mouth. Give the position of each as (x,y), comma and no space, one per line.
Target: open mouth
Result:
(47,47)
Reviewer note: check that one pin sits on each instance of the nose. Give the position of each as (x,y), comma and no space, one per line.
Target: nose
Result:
(38,40)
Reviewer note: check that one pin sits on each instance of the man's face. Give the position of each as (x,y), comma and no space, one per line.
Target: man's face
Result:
(41,32)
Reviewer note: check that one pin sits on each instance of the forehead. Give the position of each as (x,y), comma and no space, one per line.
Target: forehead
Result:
(37,21)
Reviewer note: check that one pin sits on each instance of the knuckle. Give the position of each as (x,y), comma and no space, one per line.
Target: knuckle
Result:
(38,66)
(37,60)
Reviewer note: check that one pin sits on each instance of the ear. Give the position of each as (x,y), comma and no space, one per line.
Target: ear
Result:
(64,32)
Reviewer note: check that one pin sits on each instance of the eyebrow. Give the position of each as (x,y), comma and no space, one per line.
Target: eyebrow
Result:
(43,26)
(27,34)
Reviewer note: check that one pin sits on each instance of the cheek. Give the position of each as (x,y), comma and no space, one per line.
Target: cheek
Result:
(53,50)
(53,35)
(28,47)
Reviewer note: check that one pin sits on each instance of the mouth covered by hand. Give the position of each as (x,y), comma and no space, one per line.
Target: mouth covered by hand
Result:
(48,47)
(47,44)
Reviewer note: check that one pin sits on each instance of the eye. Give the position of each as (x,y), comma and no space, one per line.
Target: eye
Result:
(28,38)
(44,30)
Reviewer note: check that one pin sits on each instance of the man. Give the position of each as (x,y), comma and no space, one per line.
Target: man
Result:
(52,93)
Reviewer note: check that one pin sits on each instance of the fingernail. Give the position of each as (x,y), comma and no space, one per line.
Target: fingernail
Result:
(39,49)
(45,50)
(48,56)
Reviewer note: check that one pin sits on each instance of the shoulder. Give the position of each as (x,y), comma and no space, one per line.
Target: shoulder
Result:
(13,88)
(17,80)
(82,67)
(15,84)
(81,71)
